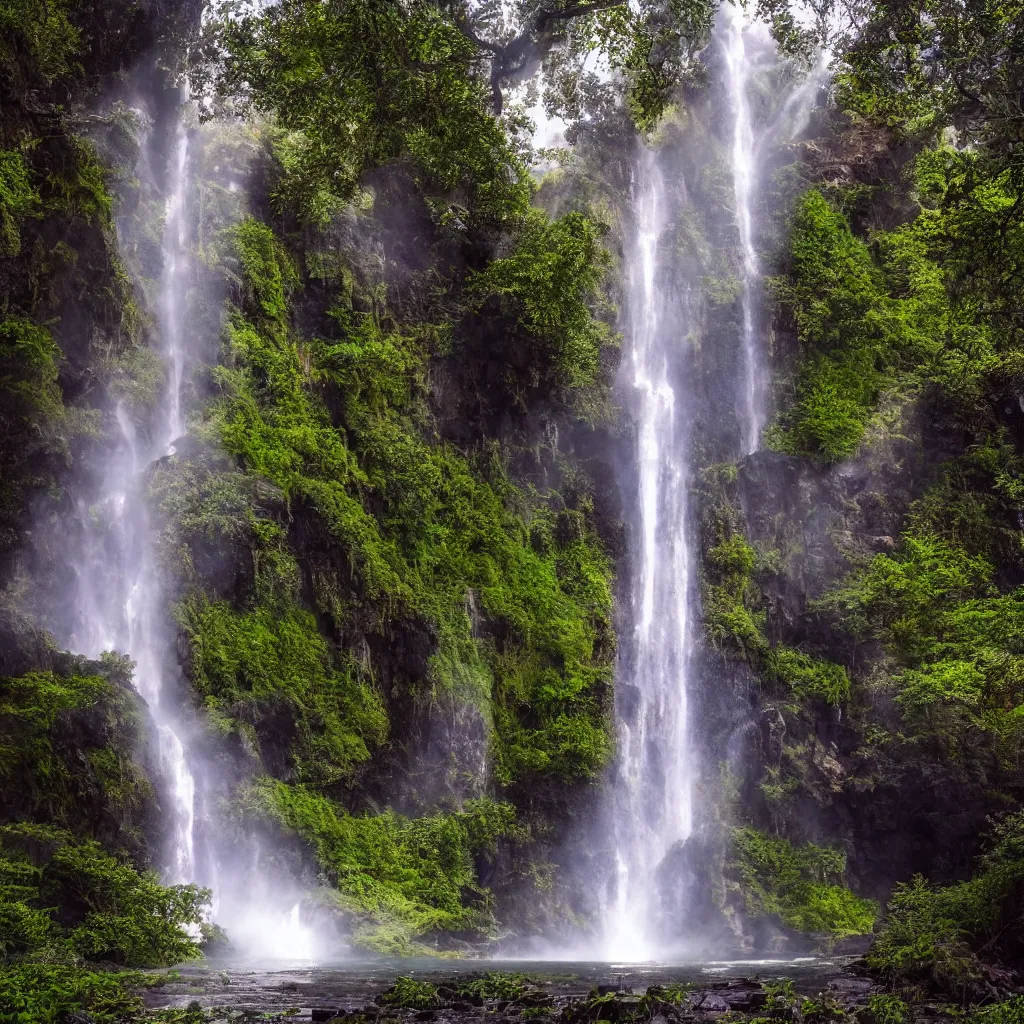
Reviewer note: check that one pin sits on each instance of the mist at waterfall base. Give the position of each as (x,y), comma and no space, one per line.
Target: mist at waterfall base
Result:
(117,604)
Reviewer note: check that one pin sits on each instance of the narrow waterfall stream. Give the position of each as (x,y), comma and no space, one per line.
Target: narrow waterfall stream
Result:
(119,605)
(654,789)
(653,800)
(738,66)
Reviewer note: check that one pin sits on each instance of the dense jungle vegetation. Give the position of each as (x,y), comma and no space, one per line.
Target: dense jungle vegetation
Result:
(393,535)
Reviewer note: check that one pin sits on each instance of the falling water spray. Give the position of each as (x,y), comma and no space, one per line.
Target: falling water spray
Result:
(120,605)
(652,800)
(738,64)
(654,869)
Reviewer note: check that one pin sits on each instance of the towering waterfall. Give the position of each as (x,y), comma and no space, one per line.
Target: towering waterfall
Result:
(652,890)
(118,590)
(738,64)
(120,607)
(652,809)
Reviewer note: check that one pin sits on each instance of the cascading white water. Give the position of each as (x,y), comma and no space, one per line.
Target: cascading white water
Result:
(119,598)
(738,65)
(120,607)
(652,809)
(651,800)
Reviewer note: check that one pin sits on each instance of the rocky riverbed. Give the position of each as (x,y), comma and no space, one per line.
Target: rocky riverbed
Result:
(797,991)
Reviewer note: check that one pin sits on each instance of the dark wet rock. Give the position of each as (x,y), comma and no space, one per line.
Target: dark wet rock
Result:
(743,995)
(713,1003)
(320,1014)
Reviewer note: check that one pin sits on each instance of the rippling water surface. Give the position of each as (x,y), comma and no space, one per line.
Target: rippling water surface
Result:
(352,984)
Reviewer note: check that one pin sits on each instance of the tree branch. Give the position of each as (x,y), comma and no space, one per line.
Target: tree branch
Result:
(512,59)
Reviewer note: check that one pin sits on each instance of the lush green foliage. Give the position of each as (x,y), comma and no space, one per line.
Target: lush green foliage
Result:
(369,85)
(38,42)
(734,622)
(48,993)
(108,911)
(18,199)
(400,879)
(955,639)
(31,414)
(939,934)
(798,885)
(412,994)
(543,291)
(424,529)
(66,749)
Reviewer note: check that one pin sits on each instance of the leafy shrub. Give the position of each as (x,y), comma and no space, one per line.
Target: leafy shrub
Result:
(46,993)
(933,934)
(888,1009)
(402,879)
(958,640)
(410,994)
(66,747)
(799,885)
(540,296)
(428,533)
(809,677)
(72,894)
(728,618)
(18,199)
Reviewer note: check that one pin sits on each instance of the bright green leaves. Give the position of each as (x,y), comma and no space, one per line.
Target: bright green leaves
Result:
(18,199)
(907,596)
(540,297)
(914,312)
(369,85)
(957,640)
(801,886)
(37,41)
(419,537)
(109,911)
(400,879)
(48,771)
(941,935)
(729,618)
(849,329)
(809,678)
(255,666)
(266,268)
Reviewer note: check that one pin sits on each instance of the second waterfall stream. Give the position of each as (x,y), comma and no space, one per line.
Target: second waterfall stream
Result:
(119,605)
(681,370)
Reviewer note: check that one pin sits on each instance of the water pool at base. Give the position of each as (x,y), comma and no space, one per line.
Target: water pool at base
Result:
(353,984)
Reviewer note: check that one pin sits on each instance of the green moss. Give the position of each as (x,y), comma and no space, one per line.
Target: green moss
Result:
(402,880)
(798,885)
(809,678)
(18,199)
